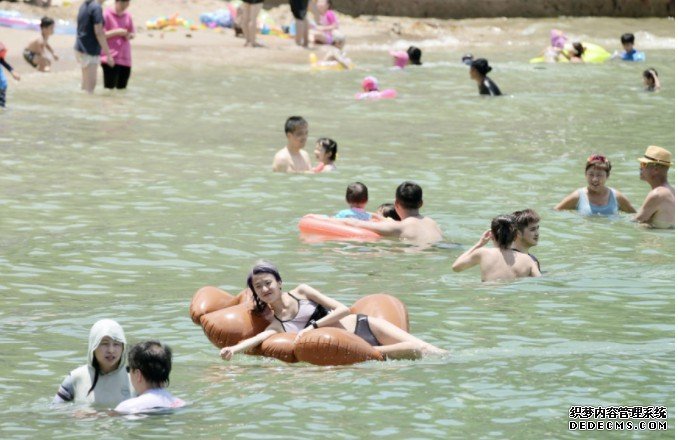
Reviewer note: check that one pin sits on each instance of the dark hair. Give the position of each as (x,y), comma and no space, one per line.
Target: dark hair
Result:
(523,218)
(46,22)
(260,267)
(356,192)
(414,54)
(388,211)
(481,65)
(598,161)
(503,230)
(578,49)
(154,360)
(294,122)
(409,195)
(649,75)
(330,146)
(628,38)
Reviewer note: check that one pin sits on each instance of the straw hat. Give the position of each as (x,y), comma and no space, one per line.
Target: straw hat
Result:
(658,155)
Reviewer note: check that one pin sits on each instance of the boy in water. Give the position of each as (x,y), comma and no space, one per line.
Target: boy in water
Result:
(34,53)
(356,197)
(413,227)
(527,232)
(629,53)
(292,158)
(500,262)
(149,368)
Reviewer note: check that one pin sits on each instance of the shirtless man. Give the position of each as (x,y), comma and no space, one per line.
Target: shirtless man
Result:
(292,158)
(527,232)
(500,262)
(413,227)
(34,53)
(658,210)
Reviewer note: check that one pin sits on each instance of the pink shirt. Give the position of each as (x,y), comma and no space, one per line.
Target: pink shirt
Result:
(400,58)
(121,49)
(328,19)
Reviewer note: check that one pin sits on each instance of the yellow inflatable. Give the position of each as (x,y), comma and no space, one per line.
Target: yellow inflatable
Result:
(592,54)
(326,65)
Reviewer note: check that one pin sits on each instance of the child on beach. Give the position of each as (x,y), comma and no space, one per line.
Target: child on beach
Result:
(403,58)
(292,158)
(527,232)
(119,30)
(356,197)
(3,78)
(413,227)
(34,53)
(629,53)
(500,262)
(478,72)
(327,29)
(651,80)
(326,153)
(103,380)
(150,364)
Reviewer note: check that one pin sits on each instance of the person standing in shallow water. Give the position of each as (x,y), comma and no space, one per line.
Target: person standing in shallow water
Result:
(478,72)
(90,42)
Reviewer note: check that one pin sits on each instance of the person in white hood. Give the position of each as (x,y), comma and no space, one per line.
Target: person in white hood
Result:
(104,380)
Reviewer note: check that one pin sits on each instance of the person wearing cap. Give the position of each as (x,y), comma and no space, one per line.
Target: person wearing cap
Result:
(596,198)
(478,72)
(402,58)
(3,79)
(658,210)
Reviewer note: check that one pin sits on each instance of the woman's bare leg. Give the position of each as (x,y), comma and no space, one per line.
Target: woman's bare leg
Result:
(396,343)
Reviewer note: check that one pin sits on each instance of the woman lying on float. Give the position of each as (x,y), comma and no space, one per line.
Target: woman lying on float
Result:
(303,309)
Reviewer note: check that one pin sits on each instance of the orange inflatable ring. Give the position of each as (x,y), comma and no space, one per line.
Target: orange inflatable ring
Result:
(235,321)
(320,225)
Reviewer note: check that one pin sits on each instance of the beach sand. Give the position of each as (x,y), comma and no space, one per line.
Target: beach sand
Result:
(153,48)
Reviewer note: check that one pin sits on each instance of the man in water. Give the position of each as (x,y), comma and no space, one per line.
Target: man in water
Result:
(292,158)
(658,210)
(527,232)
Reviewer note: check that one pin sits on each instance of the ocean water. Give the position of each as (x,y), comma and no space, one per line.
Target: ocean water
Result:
(123,205)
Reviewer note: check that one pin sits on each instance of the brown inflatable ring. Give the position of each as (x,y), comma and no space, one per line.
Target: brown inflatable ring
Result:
(227,320)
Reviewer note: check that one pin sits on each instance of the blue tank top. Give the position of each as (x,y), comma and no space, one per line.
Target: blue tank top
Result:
(584,206)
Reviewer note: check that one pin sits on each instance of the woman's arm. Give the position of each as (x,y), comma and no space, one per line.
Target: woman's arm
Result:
(337,309)
(228,352)
(569,202)
(625,204)
(471,257)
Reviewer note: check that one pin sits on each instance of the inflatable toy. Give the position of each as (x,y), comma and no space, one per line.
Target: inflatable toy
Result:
(377,94)
(593,54)
(326,65)
(227,320)
(14,20)
(321,225)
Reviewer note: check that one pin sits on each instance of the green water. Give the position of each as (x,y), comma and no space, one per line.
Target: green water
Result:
(122,206)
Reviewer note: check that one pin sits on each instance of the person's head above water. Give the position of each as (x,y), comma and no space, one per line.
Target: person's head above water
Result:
(328,149)
(370,84)
(409,196)
(414,54)
(153,360)
(261,267)
(503,231)
(481,66)
(651,78)
(599,162)
(356,194)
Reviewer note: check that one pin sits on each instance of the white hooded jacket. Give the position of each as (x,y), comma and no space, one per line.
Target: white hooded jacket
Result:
(109,389)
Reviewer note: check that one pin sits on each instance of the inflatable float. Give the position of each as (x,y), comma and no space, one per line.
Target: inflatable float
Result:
(324,228)
(593,54)
(15,20)
(227,320)
(326,65)
(377,94)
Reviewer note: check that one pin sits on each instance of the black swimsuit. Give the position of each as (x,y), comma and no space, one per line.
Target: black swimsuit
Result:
(362,329)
